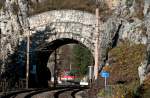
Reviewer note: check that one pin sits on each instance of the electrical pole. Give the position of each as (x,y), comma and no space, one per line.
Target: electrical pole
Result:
(28,57)
(96,42)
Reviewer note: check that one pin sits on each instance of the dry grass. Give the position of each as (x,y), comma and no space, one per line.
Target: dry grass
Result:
(85,5)
(61,4)
(125,59)
(15,8)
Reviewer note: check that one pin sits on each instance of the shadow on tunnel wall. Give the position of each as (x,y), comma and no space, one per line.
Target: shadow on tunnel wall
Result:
(44,75)
(10,74)
(39,57)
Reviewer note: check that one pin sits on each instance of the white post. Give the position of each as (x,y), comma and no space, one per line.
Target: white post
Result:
(105,82)
(105,86)
(90,72)
(70,67)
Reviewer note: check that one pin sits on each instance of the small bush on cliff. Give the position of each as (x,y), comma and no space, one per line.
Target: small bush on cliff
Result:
(2,2)
(145,88)
(1,5)
(15,8)
(129,3)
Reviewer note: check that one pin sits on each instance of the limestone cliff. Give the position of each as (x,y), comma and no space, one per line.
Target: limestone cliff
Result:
(135,17)
(13,14)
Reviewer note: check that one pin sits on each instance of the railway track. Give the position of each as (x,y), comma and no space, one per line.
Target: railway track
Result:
(14,93)
(58,92)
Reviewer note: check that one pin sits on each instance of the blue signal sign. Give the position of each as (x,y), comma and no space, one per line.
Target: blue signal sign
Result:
(104,74)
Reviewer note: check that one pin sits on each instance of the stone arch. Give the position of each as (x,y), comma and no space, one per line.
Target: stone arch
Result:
(82,40)
(79,25)
(76,31)
(62,16)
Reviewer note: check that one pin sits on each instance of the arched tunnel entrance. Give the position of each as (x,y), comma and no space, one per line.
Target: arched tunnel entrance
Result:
(58,57)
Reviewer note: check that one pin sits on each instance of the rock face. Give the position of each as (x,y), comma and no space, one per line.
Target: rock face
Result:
(10,28)
(145,66)
(130,20)
(12,25)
